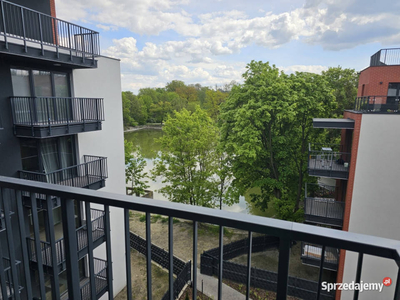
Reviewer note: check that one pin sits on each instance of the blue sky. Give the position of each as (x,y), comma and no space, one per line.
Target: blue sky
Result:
(210,42)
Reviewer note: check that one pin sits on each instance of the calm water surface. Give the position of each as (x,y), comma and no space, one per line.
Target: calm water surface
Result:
(146,140)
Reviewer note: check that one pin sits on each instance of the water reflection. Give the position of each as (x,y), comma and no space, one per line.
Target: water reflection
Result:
(146,140)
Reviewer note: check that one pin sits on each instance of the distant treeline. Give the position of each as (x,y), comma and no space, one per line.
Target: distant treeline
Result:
(152,105)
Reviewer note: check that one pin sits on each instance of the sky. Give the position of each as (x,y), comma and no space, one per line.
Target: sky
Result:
(211,41)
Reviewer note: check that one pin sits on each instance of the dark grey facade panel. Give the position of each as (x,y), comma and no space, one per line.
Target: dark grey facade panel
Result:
(10,152)
(42,6)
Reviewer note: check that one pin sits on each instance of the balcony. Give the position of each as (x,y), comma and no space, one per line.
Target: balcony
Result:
(328,161)
(100,273)
(32,35)
(377,104)
(311,255)
(286,232)
(386,57)
(9,292)
(42,117)
(98,237)
(321,207)
(91,174)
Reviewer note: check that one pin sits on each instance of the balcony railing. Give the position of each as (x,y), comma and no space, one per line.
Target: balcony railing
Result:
(28,32)
(9,286)
(377,104)
(328,161)
(321,207)
(287,232)
(386,57)
(100,271)
(97,229)
(92,171)
(54,116)
(311,255)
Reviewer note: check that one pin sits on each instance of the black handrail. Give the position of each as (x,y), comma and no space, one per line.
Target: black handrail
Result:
(52,111)
(34,28)
(82,175)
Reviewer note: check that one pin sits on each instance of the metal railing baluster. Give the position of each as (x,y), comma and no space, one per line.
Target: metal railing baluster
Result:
(128,256)
(171,256)
(221,261)
(321,269)
(194,268)
(148,256)
(249,251)
(358,274)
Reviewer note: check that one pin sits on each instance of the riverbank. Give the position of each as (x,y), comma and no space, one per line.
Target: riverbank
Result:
(156,126)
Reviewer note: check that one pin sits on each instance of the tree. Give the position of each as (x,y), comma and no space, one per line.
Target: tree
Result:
(134,166)
(266,125)
(127,110)
(344,83)
(187,160)
(226,192)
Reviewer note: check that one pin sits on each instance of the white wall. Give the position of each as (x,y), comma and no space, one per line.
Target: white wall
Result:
(105,82)
(376,198)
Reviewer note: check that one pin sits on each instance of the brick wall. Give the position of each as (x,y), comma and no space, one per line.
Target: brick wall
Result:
(372,77)
(53,8)
(350,184)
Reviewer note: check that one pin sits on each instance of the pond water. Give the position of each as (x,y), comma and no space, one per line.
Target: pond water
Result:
(146,140)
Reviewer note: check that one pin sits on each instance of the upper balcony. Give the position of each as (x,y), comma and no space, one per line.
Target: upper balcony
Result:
(328,161)
(33,35)
(386,57)
(91,174)
(377,104)
(42,117)
(321,207)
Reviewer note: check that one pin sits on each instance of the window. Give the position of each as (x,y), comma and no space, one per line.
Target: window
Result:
(40,83)
(48,155)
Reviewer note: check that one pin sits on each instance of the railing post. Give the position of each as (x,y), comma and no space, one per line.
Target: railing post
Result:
(90,250)
(23,28)
(249,251)
(70,245)
(10,238)
(41,33)
(4,24)
(194,268)
(82,114)
(38,250)
(283,268)
(52,240)
(48,114)
(24,248)
(171,256)
(107,229)
(128,256)
(83,45)
(92,39)
(69,41)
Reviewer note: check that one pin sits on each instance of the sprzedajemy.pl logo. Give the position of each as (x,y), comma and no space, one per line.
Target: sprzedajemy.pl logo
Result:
(354,286)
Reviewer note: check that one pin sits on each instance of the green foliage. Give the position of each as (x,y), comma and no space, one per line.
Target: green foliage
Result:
(344,83)
(266,125)
(187,158)
(134,166)
(153,105)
